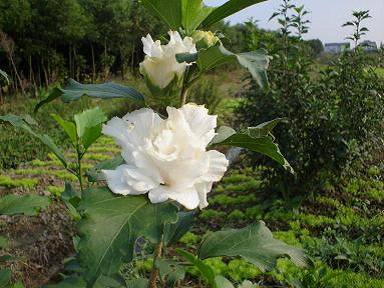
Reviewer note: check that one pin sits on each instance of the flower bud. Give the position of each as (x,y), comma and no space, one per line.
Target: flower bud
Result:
(204,39)
(160,67)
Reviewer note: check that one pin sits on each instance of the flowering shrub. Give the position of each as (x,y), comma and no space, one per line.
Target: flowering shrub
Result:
(170,158)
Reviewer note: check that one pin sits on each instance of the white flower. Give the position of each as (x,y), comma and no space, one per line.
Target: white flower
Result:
(160,65)
(166,157)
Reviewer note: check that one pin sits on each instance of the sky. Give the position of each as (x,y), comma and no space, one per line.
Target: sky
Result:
(326,17)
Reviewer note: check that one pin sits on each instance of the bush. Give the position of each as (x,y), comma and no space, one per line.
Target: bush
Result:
(335,115)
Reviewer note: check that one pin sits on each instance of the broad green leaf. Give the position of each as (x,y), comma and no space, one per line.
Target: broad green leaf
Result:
(193,14)
(75,90)
(205,270)
(174,231)
(88,125)
(111,226)
(254,243)
(170,271)
(3,242)
(4,75)
(22,122)
(27,204)
(68,126)
(258,139)
(70,282)
(255,61)
(95,175)
(223,282)
(223,133)
(187,14)
(5,278)
(227,9)
(137,283)
(88,118)
(110,282)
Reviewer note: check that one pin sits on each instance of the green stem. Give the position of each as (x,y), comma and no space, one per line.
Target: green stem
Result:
(80,171)
(155,270)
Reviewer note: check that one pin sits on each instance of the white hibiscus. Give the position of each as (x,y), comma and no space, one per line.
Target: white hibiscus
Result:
(166,158)
(160,65)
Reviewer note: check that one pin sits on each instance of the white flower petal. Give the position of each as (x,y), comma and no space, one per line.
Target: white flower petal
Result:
(158,195)
(189,198)
(200,123)
(218,164)
(128,180)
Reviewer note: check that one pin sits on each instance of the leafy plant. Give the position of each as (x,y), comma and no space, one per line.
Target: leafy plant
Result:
(170,159)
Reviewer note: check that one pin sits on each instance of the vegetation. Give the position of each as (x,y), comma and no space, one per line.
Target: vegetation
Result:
(58,216)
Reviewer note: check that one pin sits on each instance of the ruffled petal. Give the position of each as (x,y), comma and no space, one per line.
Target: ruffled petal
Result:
(200,123)
(128,180)
(187,197)
(218,165)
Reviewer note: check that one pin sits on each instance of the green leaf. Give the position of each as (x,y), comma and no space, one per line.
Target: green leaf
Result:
(115,282)
(255,61)
(227,9)
(111,226)
(137,283)
(258,139)
(187,14)
(22,122)
(223,282)
(70,282)
(75,90)
(254,243)
(174,231)
(4,75)
(170,271)
(68,126)
(193,14)
(5,278)
(27,204)
(205,270)
(3,242)
(88,125)
(95,175)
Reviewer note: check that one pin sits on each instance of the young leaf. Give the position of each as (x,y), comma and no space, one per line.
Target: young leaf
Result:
(205,270)
(22,122)
(68,126)
(255,61)
(88,125)
(254,243)
(227,9)
(258,139)
(75,90)
(111,226)
(27,204)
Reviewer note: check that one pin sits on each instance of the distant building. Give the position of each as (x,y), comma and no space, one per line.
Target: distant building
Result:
(368,46)
(336,48)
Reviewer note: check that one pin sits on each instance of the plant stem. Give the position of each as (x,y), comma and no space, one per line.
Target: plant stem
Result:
(80,172)
(155,270)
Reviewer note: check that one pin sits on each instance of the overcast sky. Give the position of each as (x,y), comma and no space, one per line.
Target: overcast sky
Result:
(326,16)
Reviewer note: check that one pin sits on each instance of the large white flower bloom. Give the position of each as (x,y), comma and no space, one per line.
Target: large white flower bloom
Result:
(166,157)
(160,65)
